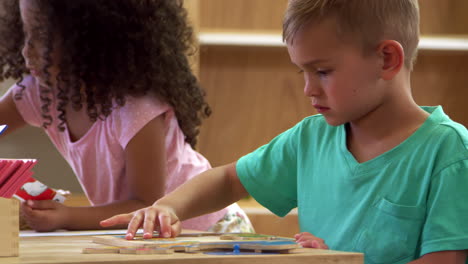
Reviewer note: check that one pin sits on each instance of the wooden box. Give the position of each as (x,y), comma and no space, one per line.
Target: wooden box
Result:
(9,227)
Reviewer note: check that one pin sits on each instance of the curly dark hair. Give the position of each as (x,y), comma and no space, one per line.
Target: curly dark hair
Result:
(112,48)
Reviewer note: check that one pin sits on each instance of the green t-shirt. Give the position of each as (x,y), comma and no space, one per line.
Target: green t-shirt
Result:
(405,203)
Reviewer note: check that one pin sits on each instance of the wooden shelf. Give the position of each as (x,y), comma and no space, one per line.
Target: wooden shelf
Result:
(442,43)
(240,39)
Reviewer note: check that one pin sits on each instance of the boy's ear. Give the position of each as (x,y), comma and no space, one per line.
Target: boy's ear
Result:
(393,56)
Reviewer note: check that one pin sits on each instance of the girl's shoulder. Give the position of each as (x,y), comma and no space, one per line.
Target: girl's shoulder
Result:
(28,102)
(139,106)
(126,121)
(27,85)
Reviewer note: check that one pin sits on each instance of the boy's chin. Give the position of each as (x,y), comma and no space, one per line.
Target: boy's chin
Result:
(334,122)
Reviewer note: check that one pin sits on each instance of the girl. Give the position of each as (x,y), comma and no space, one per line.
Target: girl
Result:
(110,83)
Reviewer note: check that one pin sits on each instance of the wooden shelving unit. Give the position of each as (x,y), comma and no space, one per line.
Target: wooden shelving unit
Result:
(252,39)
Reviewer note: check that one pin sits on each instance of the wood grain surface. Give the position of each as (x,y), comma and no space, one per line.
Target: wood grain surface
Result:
(67,250)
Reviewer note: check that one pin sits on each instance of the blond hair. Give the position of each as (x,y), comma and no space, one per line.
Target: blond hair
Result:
(370,20)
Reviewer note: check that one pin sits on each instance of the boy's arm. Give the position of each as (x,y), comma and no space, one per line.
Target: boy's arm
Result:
(446,257)
(210,191)
(9,114)
(205,193)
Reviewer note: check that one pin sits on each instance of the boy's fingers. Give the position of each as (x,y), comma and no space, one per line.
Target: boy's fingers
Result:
(176,228)
(303,236)
(165,223)
(135,223)
(313,244)
(301,239)
(148,224)
(320,244)
(309,244)
(148,218)
(116,220)
(308,240)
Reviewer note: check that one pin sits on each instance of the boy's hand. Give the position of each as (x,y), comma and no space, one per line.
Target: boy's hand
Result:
(308,240)
(151,218)
(45,215)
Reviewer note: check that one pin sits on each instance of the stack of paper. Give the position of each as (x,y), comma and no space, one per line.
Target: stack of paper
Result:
(13,174)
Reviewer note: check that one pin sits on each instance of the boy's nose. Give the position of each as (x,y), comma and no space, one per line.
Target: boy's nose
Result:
(311,89)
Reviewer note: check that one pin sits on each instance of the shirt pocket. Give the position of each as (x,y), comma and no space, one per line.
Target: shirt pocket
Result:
(392,232)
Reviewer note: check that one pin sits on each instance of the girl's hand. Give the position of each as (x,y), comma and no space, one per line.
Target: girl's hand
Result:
(308,240)
(44,216)
(160,218)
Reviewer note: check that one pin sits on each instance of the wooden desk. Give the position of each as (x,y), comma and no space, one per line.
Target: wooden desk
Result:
(67,250)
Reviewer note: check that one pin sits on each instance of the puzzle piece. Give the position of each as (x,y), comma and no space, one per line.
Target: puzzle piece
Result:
(247,236)
(100,250)
(146,251)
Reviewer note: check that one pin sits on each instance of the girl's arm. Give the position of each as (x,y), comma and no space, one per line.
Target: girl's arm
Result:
(145,160)
(205,193)
(9,114)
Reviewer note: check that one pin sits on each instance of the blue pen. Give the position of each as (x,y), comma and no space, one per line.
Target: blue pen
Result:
(2,128)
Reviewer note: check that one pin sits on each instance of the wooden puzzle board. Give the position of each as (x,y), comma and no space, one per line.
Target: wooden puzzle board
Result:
(194,242)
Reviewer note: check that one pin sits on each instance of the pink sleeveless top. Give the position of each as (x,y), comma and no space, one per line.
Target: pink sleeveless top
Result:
(98,157)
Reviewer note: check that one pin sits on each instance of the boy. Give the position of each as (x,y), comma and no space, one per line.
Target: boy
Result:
(374,172)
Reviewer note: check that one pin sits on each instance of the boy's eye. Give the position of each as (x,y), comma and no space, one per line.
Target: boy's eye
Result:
(322,73)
